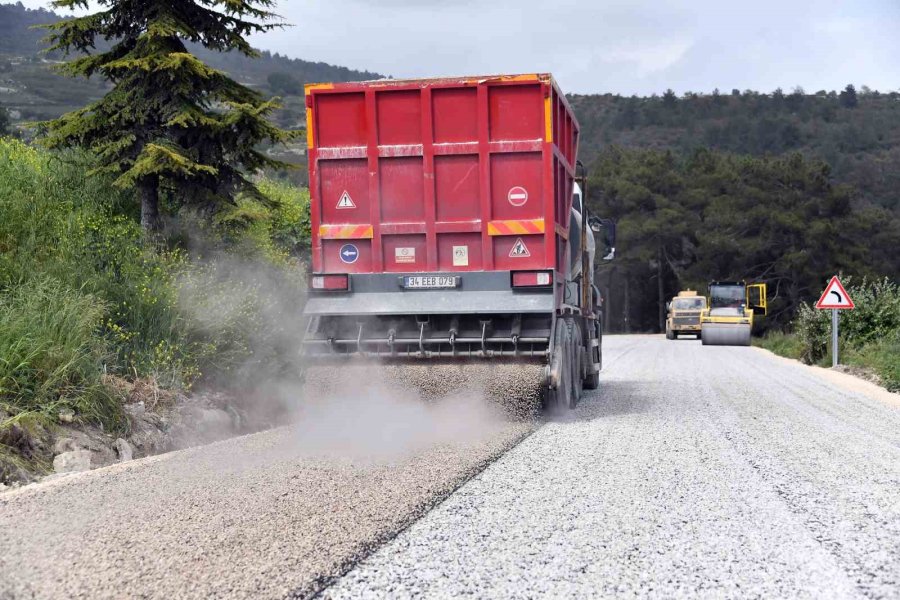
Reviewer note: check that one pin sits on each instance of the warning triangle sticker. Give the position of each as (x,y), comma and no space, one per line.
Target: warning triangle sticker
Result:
(835,296)
(519,250)
(346,201)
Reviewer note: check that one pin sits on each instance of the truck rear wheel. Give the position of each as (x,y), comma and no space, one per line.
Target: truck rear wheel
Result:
(577,369)
(592,378)
(592,381)
(560,399)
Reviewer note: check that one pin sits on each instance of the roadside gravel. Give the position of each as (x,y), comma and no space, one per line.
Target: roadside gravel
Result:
(262,516)
(695,471)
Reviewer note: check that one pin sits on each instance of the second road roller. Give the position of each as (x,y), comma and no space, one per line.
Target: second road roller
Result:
(451,241)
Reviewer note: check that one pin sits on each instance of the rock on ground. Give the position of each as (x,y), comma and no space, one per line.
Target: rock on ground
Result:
(123,449)
(73,461)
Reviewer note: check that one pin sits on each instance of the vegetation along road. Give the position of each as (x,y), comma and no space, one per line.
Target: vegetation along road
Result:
(693,471)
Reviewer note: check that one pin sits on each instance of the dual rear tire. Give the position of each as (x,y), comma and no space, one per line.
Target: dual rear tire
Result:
(572,364)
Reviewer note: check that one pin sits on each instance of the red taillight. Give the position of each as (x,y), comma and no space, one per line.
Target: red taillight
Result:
(532,278)
(330,283)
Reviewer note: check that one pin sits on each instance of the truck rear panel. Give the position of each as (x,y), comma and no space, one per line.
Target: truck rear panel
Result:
(440,175)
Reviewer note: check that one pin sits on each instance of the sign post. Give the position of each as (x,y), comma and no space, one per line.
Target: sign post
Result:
(836,298)
(834,337)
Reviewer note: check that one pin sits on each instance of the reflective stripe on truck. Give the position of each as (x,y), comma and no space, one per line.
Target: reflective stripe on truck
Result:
(346,232)
(516,227)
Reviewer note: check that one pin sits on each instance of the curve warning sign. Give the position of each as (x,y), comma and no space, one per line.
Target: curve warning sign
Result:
(835,296)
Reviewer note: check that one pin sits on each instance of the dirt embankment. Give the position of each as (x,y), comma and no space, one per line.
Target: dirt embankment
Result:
(155,421)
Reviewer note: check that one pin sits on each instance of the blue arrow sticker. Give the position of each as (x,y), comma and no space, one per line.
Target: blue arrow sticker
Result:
(349,253)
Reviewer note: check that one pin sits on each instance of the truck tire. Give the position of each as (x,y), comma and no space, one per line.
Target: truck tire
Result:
(559,400)
(578,367)
(670,335)
(592,381)
(591,378)
(577,373)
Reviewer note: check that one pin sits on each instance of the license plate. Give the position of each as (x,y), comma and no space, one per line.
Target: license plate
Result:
(429,282)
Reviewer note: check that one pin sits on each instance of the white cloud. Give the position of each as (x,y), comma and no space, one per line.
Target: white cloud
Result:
(621,46)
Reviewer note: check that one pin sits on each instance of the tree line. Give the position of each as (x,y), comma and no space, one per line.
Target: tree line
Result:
(685,220)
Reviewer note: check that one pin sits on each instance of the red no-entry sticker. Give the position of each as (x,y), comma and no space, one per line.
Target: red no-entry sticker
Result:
(517,196)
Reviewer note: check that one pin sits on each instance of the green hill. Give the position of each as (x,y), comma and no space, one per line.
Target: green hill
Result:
(856,132)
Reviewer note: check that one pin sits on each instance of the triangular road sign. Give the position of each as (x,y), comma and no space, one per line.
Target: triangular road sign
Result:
(519,250)
(346,201)
(835,296)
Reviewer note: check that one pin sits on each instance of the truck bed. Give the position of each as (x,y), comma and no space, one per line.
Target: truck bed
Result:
(440,175)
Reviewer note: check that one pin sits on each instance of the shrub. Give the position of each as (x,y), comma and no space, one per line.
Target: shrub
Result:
(244,318)
(78,231)
(272,232)
(813,327)
(876,317)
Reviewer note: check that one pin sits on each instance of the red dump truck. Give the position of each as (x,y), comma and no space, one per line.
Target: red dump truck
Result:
(447,225)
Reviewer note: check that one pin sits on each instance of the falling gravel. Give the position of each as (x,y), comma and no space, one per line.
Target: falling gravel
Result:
(511,389)
(710,472)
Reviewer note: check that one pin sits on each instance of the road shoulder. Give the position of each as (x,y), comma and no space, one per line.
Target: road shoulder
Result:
(849,382)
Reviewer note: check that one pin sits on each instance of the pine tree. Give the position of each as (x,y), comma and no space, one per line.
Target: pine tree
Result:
(848,97)
(4,121)
(670,99)
(170,122)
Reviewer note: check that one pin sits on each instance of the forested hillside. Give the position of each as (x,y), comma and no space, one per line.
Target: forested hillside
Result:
(687,220)
(28,87)
(857,132)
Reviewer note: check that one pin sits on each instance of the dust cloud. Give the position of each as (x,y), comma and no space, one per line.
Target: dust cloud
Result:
(364,411)
(368,413)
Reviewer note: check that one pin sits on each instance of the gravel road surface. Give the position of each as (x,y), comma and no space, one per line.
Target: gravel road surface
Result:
(270,515)
(694,472)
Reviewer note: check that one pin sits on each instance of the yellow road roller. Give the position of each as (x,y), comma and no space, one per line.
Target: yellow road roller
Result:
(731,306)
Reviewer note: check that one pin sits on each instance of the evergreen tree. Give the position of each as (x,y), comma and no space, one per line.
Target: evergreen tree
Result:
(4,121)
(670,99)
(848,97)
(170,122)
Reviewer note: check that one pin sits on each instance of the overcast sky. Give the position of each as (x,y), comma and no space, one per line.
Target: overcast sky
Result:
(619,46)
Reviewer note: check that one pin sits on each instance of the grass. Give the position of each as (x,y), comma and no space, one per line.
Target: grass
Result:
(782,344)
(51,353)
(881,357)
